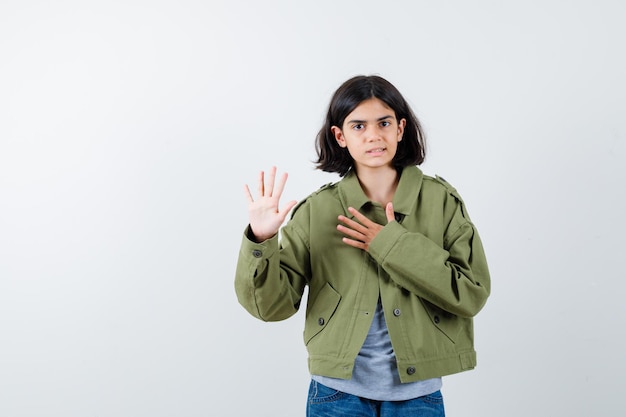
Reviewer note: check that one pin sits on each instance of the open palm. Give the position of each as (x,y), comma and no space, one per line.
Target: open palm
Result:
(265,215)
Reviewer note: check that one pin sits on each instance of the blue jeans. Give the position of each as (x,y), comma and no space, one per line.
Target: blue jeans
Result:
(327,402)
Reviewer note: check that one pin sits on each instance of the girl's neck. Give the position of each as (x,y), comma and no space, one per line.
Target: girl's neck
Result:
(379,185)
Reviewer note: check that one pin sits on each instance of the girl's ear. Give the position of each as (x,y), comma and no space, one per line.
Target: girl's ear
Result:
(338,136)
(401,126)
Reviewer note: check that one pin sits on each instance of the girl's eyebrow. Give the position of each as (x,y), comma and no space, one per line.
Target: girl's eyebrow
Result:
(380,119)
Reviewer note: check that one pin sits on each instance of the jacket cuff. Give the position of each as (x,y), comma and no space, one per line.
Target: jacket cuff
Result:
(254,251)
(385,240)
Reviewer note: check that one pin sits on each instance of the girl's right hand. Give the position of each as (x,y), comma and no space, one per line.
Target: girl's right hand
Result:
(265,215)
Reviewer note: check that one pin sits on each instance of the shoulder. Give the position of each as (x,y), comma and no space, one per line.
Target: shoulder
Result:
(439,185)
(325,188)
(438,182)
(325,191)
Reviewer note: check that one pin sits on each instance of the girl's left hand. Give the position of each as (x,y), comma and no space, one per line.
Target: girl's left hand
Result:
(361,233)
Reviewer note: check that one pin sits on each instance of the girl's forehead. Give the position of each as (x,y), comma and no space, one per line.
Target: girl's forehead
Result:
(371,106)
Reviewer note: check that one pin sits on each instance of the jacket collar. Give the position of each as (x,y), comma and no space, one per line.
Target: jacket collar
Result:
(351,194)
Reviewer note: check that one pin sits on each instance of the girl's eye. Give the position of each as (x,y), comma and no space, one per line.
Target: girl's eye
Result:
(385,123)
(358,126)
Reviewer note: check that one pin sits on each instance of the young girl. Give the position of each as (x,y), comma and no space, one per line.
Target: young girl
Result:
(394,265)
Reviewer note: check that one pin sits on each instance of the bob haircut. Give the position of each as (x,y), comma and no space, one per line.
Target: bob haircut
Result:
(333,158)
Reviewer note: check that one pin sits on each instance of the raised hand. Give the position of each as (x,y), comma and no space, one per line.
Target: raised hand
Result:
(265,215)
(361,233)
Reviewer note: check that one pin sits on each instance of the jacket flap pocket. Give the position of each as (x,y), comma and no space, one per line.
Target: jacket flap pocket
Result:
(321,311)
(446,322)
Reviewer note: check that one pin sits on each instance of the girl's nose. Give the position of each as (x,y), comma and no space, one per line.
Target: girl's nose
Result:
(374,133)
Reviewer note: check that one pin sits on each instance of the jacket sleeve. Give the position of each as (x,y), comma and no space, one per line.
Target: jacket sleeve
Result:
(269,280)
(454,277)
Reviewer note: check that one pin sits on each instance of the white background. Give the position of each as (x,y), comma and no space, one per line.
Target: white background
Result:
(127,131)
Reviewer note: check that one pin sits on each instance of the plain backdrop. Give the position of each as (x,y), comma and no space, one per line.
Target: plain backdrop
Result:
(128,129)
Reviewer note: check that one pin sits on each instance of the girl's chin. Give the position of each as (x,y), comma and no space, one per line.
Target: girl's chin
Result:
(383,165)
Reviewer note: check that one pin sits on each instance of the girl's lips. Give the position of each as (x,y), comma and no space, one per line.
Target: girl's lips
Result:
(377,150)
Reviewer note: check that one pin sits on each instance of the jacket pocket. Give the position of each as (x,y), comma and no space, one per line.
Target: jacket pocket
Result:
(321,312)
(448,323)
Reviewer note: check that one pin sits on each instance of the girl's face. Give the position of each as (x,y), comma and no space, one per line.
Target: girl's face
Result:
(371,133)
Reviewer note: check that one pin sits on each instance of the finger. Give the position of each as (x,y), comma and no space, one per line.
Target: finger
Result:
(360,217)
(391,215)
(270,182)
(361,237)
(248,193)
(280,185)
(352,224)
(354,243)
(261,184)
(288,208)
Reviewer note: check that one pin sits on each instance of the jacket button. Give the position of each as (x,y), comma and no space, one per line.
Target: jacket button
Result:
(410,370)
(436,319)
(257,253)
(397,312)
(320,321)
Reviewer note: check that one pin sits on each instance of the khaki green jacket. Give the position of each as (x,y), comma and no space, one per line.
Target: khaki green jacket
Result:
(428,268)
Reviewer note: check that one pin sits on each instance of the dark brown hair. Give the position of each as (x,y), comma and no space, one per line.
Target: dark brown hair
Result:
(333,158)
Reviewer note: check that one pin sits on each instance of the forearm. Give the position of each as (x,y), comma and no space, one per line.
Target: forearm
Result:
(265,287)
(456,279)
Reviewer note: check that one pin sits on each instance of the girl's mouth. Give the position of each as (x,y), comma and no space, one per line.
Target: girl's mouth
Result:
(376,151)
